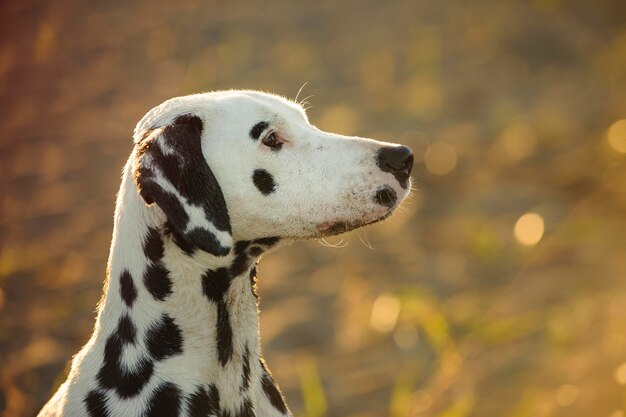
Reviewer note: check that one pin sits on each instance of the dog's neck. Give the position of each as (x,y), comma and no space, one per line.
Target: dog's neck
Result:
(182,318)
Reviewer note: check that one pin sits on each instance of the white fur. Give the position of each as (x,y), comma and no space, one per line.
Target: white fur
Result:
(322,178)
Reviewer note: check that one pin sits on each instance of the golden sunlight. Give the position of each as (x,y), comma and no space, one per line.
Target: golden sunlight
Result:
(529,229)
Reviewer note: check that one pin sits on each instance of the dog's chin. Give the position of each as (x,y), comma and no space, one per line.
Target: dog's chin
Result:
(334,228)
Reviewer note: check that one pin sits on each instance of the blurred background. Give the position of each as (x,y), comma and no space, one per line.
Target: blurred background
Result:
(500,288)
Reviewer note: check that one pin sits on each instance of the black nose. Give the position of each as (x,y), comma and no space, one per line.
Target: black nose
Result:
(397,160)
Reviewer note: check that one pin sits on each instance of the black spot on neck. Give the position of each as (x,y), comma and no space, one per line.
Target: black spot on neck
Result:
(257,129)
(245,250)
(224,333)
(245,375)
(126,330)
(246,410)
(264,181)
(164,339)
(215,284)
(113,375)
(153,245)
(157,281)
(165,401)
(204,403)
(127,288)
(242,260)
(256,251)
(267,241)
(95,403)
(272,393)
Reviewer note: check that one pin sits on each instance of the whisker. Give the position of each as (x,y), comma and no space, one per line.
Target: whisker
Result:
(340,244)
(304,100)
(366,242)
(300,90)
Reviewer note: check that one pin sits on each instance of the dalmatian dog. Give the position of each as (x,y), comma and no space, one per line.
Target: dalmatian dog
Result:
(214,181)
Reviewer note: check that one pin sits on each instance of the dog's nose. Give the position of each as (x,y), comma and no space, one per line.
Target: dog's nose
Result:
(397,160)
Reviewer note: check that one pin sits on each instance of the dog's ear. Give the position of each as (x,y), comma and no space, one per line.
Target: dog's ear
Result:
(171,171)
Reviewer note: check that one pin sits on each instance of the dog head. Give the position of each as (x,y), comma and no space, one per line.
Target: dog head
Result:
(245,165)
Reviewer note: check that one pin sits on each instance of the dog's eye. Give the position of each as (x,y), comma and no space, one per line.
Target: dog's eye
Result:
(272,141)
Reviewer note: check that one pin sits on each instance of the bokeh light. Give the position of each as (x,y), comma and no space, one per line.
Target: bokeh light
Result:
(566,395)
(616,136)
(517,142)
(406,336)
(529,229)
(385,311)
(620,374)
(440,158)
(422,400)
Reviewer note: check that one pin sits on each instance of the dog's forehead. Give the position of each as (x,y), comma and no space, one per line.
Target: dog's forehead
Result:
(242,104)
(263,105)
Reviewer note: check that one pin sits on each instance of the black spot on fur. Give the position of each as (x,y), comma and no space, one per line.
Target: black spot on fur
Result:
(245,374)
(126,330)
(257,129)
(112,374)
(95,403)
(169,203)
(241,261)
(206,241)
(157,281)
(165,401)
(128,384)
(255,251)
(127,288)
(203,403)
(215,284)
(268,242)
(264,181)
(271,390)
(153,245)
(246,249)
(183,166)
(273,394)
(224,333)
(214,398)
(246,410)
(386,196)
(178,239)
(164,339)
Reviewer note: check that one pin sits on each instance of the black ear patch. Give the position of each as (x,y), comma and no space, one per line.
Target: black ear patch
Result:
(170,170)
(264,181)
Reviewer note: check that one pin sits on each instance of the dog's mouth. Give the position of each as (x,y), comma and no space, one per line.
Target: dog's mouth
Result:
(343,226)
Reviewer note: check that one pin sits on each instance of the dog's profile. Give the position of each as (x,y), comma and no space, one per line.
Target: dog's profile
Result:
(214,181)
